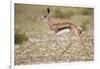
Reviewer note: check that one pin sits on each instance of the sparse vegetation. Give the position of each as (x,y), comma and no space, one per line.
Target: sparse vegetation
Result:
(59,14)
(63,14)
(20,37)
(67,13)
(87,11)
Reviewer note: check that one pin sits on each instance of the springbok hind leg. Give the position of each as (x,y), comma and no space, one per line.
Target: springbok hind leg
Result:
(65,49)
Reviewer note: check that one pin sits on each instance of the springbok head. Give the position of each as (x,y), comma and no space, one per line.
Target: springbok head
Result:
(48,11)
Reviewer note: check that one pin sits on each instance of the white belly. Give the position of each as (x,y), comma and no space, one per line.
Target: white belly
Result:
(64,31)
(63,35)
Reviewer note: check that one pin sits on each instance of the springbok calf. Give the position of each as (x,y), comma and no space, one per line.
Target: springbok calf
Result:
(59,28)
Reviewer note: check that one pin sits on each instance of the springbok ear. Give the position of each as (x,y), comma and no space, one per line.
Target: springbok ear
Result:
(48,10)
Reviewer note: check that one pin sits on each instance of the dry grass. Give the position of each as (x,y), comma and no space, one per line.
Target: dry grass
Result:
(43,48)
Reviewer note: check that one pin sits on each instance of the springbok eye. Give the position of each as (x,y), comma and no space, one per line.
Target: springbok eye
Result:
(44,17)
